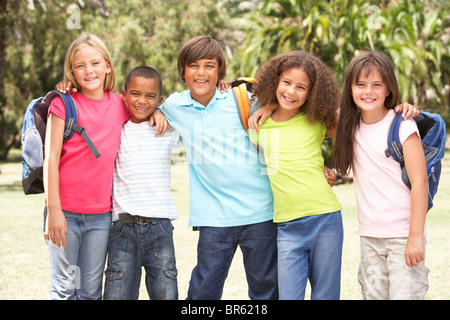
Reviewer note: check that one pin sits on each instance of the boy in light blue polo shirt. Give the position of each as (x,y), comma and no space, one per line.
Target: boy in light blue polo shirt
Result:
(230,195)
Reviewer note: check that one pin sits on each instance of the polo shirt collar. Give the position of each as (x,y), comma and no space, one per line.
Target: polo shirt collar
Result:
(187,101)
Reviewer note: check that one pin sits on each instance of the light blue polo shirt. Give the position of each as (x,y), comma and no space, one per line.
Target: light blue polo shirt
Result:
(227,178)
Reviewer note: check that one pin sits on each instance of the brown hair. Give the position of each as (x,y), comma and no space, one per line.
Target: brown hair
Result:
(350,115)
(201,47)
(95,42)
(323,98)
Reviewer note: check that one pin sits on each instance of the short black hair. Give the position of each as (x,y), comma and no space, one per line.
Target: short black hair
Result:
(144,72)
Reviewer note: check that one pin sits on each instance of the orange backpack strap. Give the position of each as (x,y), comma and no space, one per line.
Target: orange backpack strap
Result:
(240,88)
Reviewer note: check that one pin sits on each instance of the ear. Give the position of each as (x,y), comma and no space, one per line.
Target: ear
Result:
(124,94)
(160,100)
(108,66)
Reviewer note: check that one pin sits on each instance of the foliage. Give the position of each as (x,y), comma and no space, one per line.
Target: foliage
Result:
(35,34)
(414,34)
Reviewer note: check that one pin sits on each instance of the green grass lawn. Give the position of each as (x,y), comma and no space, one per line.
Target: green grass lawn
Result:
(24,266)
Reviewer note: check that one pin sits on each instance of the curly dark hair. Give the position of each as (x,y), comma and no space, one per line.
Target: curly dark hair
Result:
(323,99)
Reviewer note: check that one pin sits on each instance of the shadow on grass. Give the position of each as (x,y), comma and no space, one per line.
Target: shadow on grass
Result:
(11,187)
(13,157)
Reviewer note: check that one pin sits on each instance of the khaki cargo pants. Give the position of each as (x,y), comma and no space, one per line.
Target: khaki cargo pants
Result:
(383,273)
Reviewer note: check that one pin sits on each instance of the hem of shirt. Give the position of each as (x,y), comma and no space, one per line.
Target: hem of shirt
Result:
(303,215)
(115,216)
(90,211)
(228,223)
(384,236)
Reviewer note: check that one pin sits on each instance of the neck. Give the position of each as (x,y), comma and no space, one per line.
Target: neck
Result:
(373,116)
(99,94)
(280,114)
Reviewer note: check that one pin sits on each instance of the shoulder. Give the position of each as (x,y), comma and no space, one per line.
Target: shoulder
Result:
(176,97)
(407,128)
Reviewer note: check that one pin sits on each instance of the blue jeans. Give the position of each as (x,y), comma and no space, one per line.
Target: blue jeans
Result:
(133,246)
(215,251)
(310,247)
(76,271)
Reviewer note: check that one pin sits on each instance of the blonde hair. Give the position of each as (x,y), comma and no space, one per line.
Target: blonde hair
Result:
(80,43)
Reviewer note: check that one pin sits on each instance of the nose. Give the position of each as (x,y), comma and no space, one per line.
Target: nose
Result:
(290,89)
(201,70)
(88,69)
(141,100)
(368,89)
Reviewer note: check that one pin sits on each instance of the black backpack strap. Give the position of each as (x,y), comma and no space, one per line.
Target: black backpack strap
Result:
(71,126)
(393,141)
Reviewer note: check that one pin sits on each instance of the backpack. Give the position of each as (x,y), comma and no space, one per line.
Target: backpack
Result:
(241,87)
(33,138)
(433,134)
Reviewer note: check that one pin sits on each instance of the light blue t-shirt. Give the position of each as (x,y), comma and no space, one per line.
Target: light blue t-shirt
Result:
(228,181)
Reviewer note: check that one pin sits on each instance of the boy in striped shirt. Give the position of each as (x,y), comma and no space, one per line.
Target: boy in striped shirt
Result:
(143,207)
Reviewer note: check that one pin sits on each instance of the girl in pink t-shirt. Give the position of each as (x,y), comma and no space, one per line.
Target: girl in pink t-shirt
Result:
(77,185)
(391,217)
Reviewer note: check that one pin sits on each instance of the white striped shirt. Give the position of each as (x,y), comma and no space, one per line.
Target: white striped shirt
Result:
(142,172)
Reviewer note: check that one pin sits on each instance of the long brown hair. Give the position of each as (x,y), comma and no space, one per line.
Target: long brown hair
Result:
(323,97)
(350,115)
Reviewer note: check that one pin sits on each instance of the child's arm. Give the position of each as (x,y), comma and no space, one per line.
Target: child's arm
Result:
(55,225)
(417,173)
(261,114)
(158,119)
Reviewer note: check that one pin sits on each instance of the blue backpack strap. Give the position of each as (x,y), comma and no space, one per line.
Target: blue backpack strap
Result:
(71,122)
(393,141)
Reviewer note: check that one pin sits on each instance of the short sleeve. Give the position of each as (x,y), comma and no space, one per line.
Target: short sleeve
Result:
(407,128)
(57,108)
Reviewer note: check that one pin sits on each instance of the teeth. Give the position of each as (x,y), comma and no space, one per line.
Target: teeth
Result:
(290,100)
(368,100)
(90,79)
(200,81)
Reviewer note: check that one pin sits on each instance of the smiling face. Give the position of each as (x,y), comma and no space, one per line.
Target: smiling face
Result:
(292,91)
(202,76)
(90,68)
(369,94)
(142,97)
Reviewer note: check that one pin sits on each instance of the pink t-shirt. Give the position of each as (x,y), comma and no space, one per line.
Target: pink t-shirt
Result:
(384,202)
(85,183)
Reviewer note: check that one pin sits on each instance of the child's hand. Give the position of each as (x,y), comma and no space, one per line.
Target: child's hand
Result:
(330,175)
(259,116)
(56,228)
(408,110)
(158,119)
(415,251)
(65,86)
(223,86)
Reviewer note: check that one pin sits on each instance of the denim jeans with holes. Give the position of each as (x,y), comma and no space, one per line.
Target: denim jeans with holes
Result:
(133,246)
